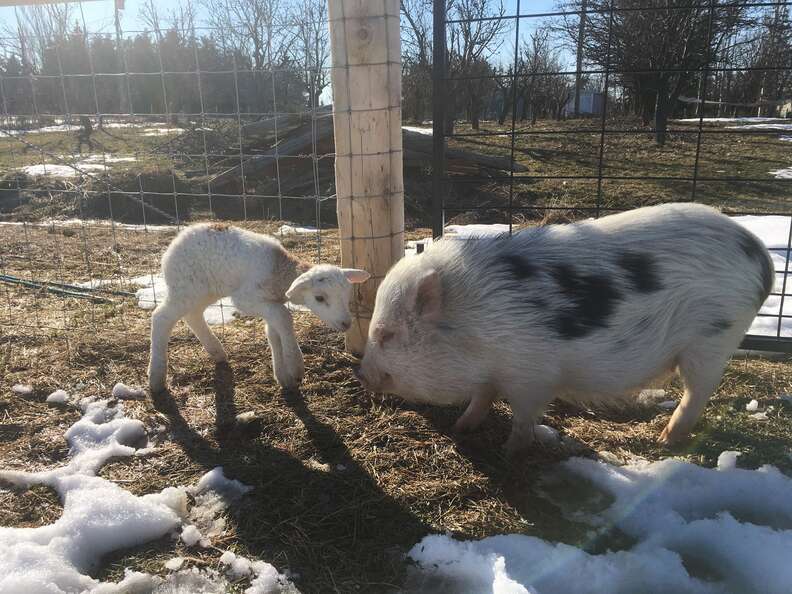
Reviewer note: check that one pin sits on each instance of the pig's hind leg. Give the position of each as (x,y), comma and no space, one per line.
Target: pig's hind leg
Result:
(476,411)
(527,407)
(701,367)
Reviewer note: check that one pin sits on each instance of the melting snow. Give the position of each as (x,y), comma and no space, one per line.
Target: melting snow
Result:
(58,397)
(293,230)
(22,389)
(91,163)
(100,517)
(696,531)
(782,173)
(124,392)
(752,406)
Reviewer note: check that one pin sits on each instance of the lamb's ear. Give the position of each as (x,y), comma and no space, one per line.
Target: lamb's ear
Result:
(355,276)
(429,295)
(295,292)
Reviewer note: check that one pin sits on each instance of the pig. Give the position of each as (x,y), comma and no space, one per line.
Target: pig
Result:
(584,312)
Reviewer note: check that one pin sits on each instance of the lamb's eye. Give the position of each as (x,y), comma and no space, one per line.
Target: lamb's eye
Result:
(386,336)
(320,299)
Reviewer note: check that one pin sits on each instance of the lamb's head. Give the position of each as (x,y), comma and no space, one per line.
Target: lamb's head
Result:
(326,290)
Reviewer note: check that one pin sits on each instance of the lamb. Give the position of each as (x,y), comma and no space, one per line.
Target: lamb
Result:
(207,262)
(590,311)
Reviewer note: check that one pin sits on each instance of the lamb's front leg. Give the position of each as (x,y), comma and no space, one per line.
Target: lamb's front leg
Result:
(287,359)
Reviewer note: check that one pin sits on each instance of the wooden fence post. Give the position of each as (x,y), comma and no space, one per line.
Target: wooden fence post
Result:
(366,83)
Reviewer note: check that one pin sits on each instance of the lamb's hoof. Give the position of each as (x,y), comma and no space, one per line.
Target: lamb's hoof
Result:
(670,437)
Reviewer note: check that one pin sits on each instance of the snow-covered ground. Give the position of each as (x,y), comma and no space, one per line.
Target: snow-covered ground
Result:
(149,129)
(774,232)
(785,173)
(695,531)
(99,516)
(91,163)
(737,120)
(46,223)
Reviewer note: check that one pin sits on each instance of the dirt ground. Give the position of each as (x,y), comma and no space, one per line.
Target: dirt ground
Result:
(345,482)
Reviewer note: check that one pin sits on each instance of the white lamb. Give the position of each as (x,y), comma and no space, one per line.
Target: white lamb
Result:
(207,262)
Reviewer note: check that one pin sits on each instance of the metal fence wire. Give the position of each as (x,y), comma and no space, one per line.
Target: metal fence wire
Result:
(605,105)
(111,140)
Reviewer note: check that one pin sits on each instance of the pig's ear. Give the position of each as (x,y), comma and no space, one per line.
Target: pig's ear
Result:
(429,295)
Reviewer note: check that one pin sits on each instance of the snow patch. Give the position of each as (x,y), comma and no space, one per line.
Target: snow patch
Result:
(58,397)
(752,406)
(293,230)
(174,564)
(161,131)
(546,435)
(124,392)
(100,517)
(728,460)
(697,531)
(782,173)
(191,535)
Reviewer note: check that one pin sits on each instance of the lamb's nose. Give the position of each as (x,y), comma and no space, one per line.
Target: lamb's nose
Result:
(358,371)
(346,326)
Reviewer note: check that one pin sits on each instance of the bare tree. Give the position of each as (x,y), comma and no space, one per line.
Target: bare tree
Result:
(656,52)
(311,48)
(416,57)
(474,39)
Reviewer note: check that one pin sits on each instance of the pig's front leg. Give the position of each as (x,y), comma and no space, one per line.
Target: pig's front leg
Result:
(476,411)
(526,410)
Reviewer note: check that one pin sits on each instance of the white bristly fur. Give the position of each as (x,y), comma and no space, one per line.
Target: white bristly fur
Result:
(206,262)
(593,310)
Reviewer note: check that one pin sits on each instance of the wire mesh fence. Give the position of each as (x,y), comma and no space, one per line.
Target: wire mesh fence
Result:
(111,140)
(605,105)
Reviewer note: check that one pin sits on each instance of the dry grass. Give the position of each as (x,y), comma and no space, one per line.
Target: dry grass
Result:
(345,481)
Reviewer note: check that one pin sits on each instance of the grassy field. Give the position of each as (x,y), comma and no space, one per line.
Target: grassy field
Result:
(345,482)
(563,158)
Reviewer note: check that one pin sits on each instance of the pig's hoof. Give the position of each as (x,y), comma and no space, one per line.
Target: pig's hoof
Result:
(465,425)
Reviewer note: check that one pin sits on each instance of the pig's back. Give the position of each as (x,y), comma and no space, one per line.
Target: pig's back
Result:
(668,273)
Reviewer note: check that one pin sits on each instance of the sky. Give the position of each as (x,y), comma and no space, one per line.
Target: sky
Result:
(99,18)
(99,13)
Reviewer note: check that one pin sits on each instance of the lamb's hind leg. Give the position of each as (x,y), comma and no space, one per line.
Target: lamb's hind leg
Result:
(163,320)
(200,328)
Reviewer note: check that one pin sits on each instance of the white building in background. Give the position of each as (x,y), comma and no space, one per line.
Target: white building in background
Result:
(591,104)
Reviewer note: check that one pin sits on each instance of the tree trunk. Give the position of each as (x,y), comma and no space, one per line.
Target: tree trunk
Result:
(661,112)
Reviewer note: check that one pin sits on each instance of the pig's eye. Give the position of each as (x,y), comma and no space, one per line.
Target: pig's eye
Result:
(319,299)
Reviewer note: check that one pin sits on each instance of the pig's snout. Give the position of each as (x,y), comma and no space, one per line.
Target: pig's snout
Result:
(358,371)
(369,383)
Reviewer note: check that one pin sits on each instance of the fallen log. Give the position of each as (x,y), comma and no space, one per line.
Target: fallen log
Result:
(417,147)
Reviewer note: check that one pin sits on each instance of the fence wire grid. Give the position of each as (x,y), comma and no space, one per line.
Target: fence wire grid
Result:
(111,140)
(600,106)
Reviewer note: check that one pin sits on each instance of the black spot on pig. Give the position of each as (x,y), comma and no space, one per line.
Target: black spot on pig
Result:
(718,326)
(756,251)
(641,271)
(517,266)
(589,301)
